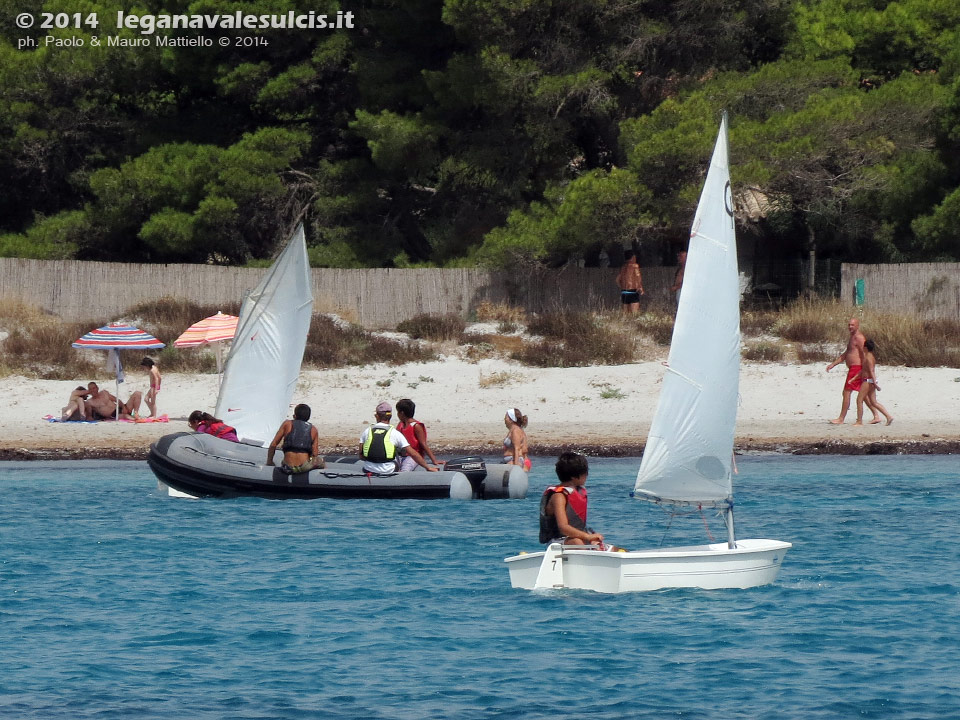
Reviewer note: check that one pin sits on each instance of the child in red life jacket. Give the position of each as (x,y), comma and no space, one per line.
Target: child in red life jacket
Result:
(563,507)
(204,422)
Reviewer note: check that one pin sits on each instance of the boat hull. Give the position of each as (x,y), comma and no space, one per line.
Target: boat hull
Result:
(200,465)
(752,563)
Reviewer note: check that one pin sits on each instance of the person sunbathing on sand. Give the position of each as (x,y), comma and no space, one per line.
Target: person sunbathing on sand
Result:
(75,409)
(104,406)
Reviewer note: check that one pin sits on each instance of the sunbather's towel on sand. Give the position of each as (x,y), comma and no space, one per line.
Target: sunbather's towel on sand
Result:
(51,418)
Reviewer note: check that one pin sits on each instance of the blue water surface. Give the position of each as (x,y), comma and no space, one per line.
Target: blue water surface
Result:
(117,602)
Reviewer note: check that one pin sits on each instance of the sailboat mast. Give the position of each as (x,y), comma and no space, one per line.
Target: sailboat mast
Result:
(728,519)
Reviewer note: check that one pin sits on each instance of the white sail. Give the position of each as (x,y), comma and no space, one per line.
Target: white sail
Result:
(689,450)
(263,366)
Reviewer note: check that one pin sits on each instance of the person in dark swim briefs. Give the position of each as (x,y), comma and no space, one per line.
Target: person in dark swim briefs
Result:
(630,282)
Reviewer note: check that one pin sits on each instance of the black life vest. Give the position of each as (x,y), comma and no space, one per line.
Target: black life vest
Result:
(299,439)
(377,447)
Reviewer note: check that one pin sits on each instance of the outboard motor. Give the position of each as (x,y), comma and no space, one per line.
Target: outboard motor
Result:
(474,468)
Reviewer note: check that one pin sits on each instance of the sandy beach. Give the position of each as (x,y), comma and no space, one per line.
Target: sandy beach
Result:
(601,410)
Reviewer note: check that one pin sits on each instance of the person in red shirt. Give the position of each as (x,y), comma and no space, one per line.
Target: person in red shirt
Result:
(416,434)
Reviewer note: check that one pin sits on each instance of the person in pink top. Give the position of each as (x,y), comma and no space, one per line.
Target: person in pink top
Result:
(416,434)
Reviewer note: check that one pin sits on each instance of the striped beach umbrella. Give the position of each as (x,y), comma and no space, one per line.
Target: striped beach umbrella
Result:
(115,337)
(213,330)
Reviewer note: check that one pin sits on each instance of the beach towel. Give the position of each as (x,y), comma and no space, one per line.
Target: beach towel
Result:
(158,418)
(51,418)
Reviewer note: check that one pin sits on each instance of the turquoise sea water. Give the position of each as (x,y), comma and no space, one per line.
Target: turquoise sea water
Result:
(118,603)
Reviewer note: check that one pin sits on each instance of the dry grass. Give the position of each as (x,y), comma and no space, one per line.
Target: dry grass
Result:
(815,321)
(434,327)
(911,341)
(331,344)
(814,354)
(655,326)
(758,322)
(39,345)
(575,340)
(763,351)
(500,312)
(498,379)
(821,327)
(16,313)
(45,351)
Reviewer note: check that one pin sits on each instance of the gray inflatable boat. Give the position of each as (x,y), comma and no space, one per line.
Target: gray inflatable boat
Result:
(202,465)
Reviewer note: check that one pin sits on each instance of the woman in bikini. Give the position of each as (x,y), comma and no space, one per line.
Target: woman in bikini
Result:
(869,387)
(515,450)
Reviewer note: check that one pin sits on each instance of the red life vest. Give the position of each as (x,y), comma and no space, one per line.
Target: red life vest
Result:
(576,511)
(217,429)
(407,430)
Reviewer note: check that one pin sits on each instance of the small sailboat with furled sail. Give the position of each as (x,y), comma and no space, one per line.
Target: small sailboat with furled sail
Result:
(688,458)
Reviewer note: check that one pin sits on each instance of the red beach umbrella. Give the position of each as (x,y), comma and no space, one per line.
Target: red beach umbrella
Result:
(115,337)
(213,330)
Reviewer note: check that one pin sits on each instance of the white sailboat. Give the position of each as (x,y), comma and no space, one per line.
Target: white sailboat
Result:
(688,457)
(261,371)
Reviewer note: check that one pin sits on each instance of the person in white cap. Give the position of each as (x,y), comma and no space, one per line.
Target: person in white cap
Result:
(381,445)
(515,450)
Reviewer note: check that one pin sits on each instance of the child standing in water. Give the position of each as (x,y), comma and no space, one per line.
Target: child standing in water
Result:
(869,387)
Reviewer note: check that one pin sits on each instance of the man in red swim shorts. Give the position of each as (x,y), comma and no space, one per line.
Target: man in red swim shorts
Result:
(853,357)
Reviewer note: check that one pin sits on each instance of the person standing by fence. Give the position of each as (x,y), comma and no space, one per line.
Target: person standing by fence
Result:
(630,282)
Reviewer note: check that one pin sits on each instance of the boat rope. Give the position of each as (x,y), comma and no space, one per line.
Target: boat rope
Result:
(667,529)
(705,525)
(675,514)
